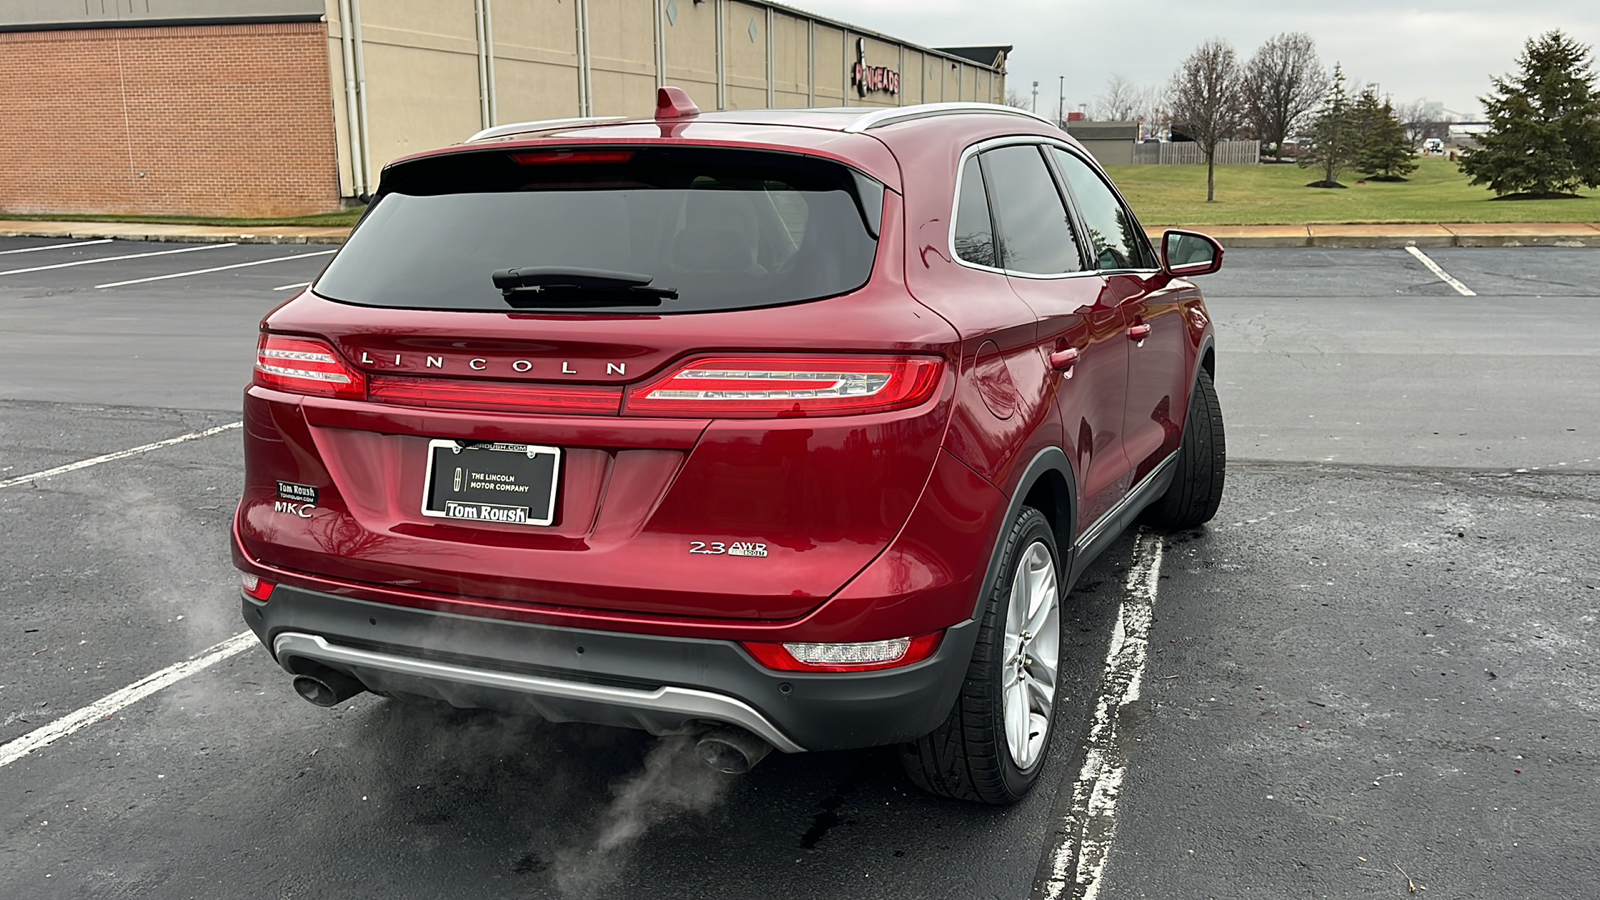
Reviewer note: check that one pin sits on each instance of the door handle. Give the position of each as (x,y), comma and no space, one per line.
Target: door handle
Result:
(1138,332)
(1062,360)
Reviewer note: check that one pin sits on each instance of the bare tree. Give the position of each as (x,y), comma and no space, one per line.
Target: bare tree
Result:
(1018,100)
(1422,121)
(1206,101)
(1412,115)
(1123,101)
(1284,82)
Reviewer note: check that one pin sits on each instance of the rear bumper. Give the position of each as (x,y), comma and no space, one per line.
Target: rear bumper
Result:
(660,684)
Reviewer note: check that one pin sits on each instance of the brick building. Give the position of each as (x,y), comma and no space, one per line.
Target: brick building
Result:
(244,107)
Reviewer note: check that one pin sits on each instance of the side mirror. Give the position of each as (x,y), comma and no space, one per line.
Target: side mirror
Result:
(1190,253)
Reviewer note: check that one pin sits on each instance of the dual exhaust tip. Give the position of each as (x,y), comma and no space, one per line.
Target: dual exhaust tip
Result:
(326,687)
(727,749)
(731,750)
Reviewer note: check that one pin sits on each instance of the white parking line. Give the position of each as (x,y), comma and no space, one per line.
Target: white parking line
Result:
(1093,820)
(120,454)
(243,265)
(106,259)
(290,287)
(56,246)
(1444,276)
(111,703)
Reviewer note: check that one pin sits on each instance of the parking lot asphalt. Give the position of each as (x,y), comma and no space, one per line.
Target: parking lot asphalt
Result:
(1376,666)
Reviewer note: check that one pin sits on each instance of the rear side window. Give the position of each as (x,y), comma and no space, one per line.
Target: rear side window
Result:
(1035,235)
(1115,240)
(974,235)
(711,230)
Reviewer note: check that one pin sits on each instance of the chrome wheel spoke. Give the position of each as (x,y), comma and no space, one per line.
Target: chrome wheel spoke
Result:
(1017,613)
(1041,695)
(1016,718)
(1043,672)
(1047,605)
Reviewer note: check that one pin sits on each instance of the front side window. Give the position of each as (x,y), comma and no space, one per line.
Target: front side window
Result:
(1035,235)
(1115,240)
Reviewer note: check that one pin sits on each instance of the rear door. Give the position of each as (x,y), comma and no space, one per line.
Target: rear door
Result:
(1154,335)
(1082,327)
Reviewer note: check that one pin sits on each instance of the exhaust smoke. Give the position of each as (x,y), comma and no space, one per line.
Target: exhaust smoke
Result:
(675,779)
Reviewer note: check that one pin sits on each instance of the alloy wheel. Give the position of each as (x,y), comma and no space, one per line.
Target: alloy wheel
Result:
(1032,655)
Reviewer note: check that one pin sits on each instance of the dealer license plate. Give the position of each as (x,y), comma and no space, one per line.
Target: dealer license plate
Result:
(509,484)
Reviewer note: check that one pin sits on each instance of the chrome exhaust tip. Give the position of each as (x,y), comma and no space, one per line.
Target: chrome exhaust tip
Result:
(326,687)
(732,750)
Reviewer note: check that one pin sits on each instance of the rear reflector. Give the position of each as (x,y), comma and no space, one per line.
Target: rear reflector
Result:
(306,366)
(788,386)
(864,657)
(255,588)
(558,157)
(496,396)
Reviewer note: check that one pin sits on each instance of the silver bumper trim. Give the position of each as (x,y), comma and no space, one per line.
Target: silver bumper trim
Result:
(687,702)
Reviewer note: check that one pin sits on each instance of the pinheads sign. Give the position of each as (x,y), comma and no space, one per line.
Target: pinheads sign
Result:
(868,79)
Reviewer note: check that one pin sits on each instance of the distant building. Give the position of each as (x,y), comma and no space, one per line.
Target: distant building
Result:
(1111,143)
(275,107)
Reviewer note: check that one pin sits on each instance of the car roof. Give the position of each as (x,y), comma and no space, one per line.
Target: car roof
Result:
(846,134)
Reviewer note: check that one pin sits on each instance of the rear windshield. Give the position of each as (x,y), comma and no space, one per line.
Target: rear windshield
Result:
(713,230)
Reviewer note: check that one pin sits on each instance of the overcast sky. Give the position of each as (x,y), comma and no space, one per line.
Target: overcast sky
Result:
(1443,50)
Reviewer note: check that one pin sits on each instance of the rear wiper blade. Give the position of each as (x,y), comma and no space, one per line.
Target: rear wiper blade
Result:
(535,285)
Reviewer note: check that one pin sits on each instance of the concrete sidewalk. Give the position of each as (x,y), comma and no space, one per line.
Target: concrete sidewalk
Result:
(202,234)
(1507,235)
(1501,235)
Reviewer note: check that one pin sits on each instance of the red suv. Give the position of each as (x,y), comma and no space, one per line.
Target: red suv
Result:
(790,428)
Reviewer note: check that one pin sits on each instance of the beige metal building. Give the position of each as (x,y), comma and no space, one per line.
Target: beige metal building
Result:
(403,76)
(421,73)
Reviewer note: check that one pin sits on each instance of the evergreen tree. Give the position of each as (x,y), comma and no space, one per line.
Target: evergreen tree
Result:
(1333,144)
(1382,149)
(1544,124)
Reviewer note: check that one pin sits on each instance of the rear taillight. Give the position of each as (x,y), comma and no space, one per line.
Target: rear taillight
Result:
(787,386)
(255,588)
(306,366)
(863,657)
(496,396)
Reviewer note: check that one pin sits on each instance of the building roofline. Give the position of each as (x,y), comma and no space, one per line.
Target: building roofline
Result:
(867,32)
(994,50)
(317,17)
(179,22)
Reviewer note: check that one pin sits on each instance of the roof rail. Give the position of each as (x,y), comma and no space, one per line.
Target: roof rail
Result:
(546,125)
(879,118)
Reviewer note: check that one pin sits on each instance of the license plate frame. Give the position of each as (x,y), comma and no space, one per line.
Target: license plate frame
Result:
(506,472)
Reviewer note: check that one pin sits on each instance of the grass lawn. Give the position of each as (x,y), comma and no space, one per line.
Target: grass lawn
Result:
(1277,195)
(345,217)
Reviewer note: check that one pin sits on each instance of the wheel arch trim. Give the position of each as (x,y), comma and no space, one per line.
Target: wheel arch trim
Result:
(1047,463)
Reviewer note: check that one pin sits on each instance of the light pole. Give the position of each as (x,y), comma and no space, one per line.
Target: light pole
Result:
(1061,104)
(1035,106)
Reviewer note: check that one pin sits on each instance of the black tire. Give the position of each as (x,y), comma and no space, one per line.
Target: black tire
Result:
(1196,488)
(966,758)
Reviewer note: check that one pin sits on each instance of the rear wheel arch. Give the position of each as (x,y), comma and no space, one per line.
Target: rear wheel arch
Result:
(1048,485)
